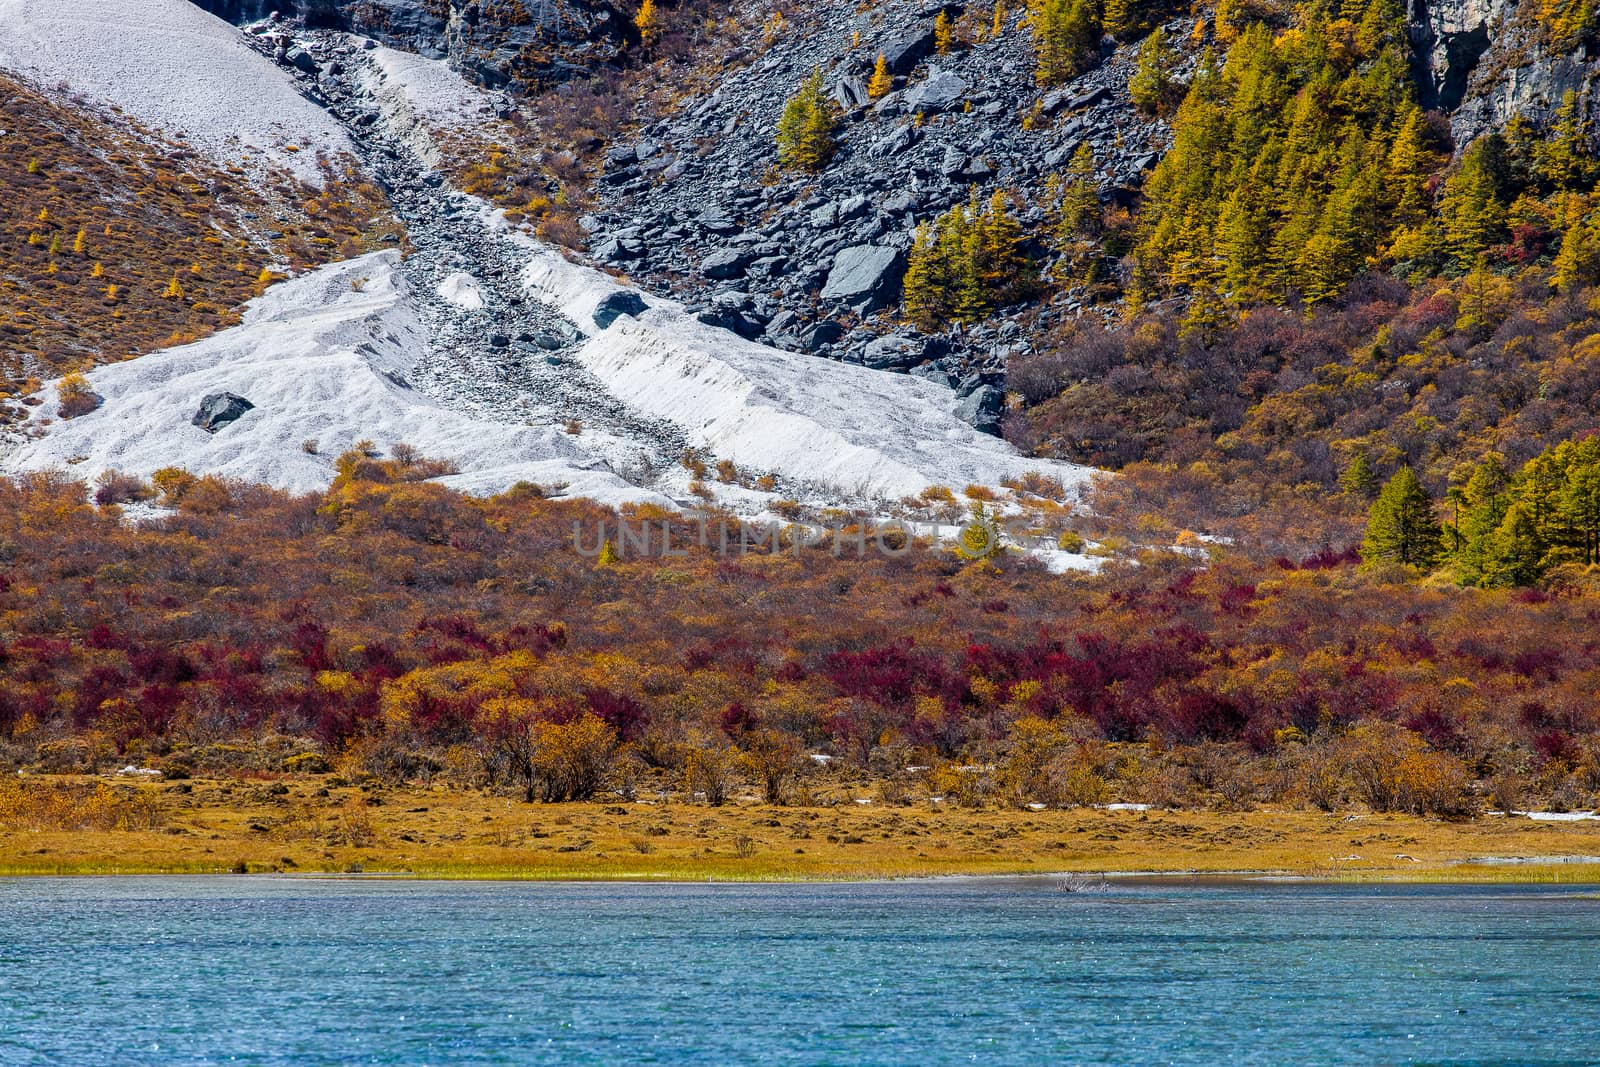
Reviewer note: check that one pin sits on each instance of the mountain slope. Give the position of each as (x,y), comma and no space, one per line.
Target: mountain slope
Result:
(176,69)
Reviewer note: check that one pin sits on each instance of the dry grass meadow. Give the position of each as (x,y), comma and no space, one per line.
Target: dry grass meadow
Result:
(84,825)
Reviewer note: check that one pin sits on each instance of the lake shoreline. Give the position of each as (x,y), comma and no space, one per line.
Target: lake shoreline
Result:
(312,825)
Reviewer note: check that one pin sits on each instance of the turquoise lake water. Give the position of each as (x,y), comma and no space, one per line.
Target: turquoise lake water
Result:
(261,970)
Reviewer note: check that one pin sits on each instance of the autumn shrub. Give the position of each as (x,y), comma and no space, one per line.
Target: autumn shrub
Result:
(708,772)
(42,807)
(773,759)
(114,487)
(571,760)
(75,396)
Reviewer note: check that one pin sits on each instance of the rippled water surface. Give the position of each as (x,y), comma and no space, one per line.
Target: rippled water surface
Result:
(301,971)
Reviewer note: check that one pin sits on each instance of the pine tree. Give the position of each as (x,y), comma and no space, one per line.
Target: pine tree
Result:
(1577,510)
(608,556)
(1077,217)
(97,271)
(1401,527)
(1065,35)
(998,25)
(1126,19)
(923,285)
(980,537)
(1577,264)
(1078,213)
(1151,81)
(1359,480)
(1474,215)
(881,81)
(943,33)
(174,291)
(1005,271)
(805,130)
(1407,168)
(1515,552)
(81,243)
(1480,506)
(1562,158)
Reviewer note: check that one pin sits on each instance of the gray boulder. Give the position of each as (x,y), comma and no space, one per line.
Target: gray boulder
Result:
(902,54)
(893,351)
(820,336)
(865,276)
(622,302)
(982,408)
(892,144)
(943,91)
(850,92)
(219,409)
(725,263)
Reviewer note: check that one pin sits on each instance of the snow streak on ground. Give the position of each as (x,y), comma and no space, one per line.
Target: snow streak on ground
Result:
(177,69)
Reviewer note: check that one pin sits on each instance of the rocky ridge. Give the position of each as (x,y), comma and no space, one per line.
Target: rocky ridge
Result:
(813,263)
(497,43)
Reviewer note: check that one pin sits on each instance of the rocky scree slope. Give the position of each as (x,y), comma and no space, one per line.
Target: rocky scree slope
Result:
(693,204)
(496,43)
(494,354)
(813,263)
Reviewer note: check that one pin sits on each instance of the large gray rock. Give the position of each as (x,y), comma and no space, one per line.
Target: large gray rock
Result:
(219,409)
(942,91)
(622,302)
(893,351)
(982,408)
(725,263)
(903,53)
(850,92)
(865,276)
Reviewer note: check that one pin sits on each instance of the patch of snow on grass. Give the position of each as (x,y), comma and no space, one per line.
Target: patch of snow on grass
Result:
(176,68)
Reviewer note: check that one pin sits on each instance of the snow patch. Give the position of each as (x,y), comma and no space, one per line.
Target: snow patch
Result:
(177,69)
(863,434)
(323,359)
(423,99)
(463,290)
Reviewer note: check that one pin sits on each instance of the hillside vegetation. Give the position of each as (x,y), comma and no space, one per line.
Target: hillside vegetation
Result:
(116,243)
(397,630)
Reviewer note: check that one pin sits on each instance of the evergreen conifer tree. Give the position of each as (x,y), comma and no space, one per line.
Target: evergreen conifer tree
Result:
(805,130)
(1401,526)
(1151,81)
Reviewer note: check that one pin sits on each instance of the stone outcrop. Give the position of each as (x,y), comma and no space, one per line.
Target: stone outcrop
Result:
(501,44)
(219,409)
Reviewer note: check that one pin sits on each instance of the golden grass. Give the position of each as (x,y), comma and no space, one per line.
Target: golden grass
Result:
(299,824)
(115,242)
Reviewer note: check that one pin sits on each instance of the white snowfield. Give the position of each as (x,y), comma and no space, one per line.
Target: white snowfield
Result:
(423,98)
(177,69)
(315,356)
(857,434)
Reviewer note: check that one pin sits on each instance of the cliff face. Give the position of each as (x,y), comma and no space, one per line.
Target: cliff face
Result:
(506,43)
(1486,61)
